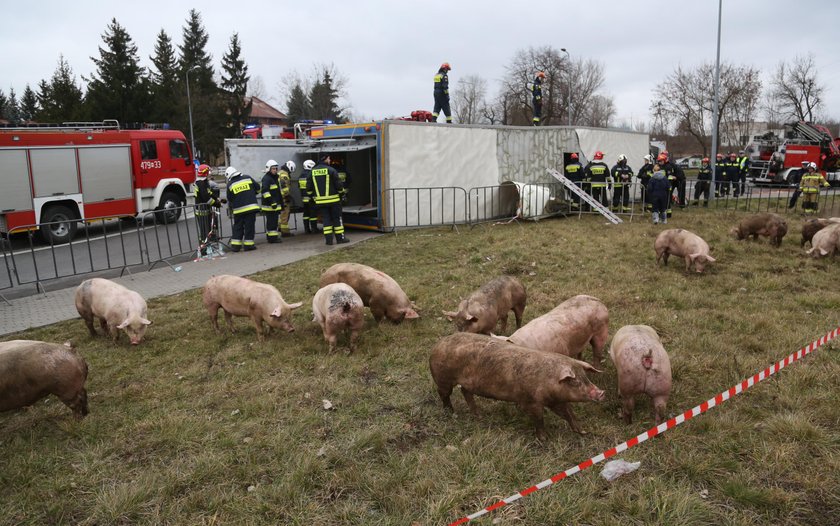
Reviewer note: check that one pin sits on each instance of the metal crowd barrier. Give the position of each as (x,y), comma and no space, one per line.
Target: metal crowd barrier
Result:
(424,207)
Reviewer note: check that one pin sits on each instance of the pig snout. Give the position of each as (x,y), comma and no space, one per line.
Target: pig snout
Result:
(596,395)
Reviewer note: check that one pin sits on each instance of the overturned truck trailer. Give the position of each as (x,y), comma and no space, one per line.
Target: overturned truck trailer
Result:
(404,173)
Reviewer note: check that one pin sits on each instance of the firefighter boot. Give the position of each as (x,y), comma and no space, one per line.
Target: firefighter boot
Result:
(306,226)
(313,226)
(329,238)
(341,239)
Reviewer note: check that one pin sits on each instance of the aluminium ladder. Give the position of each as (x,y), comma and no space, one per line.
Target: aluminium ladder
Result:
(584,196)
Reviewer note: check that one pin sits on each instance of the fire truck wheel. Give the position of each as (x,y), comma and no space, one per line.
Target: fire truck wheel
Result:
(63,226)
(170,208)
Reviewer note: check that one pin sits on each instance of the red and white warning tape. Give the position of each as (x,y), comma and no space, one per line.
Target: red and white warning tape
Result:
(661,428)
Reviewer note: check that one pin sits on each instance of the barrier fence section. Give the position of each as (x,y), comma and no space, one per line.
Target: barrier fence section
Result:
(423,207)
(661,428)
(6,280)
(164,239)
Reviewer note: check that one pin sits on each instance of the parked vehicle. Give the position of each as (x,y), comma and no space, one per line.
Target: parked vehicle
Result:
(59,175)
(803,141)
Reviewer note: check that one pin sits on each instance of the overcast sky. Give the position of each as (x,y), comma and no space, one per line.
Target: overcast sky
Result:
(389,50)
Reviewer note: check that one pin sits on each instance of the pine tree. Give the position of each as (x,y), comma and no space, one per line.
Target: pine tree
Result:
(28,105)
(3,102)
(61,99)
(119,89)
(323,98)
(168,99)
(298,107)
(11,111)
(235,81)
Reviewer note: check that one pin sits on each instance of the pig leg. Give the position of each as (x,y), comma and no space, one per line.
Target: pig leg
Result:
(333,341)
(517,311)
(258,324)
(468,396)
(659,403)
(377,311)
(598,342)
(354,337)
(627,404)
(103,323)
(213,311)
(503,323)
(563,409)
(687,263)
(229,320)
(535,411)
(76,401)
(445,392)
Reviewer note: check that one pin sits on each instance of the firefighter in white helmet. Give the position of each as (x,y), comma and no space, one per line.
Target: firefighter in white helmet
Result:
(810,185)
(621,176)
(310,215)
(644,175)
(272,201)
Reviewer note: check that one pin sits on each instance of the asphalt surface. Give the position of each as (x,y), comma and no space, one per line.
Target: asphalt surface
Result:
(36,309)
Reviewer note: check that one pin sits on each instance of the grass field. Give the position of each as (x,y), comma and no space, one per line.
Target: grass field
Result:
(192,427)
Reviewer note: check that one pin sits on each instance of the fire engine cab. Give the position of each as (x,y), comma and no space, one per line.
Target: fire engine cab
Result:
(81,171)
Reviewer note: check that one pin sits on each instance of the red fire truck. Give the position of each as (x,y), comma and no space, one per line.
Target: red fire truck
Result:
(804,141)
(81,171)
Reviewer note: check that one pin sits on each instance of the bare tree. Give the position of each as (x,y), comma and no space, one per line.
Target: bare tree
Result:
(468,99)
(685,100)
(256,88)
(796,89)
(599,112)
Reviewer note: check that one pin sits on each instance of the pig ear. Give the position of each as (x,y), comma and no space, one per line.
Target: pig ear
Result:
(564,373)
(503,338)
(277,312)
(450,314)
(824,252)
(469,317)
(297,305)
(144,321)
(68,344)
(710,259)
(123,325)
(590,367)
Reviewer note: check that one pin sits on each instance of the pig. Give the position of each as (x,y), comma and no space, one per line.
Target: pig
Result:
(243,297)
(773,226)
(500,370)
(684,244)
(336,307)
(378,290)
(826,242)
(489,305)
(643,367)
(117,308)
(812,226)
(567,329)
(31,370)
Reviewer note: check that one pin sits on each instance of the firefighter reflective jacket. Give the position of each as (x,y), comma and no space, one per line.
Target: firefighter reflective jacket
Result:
(597,173)
(621,174)
(442,82)
(811,182)
(206,192)
(304,196)
(324,186)
(242,194)
(272,200)
(285,180)
(536,90)
(574,171)
(645,172)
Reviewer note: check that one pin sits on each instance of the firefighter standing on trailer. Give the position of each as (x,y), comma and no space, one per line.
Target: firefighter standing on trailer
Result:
(574,173)
(810,185)
(272,201)
(310,216)
(596,174)
(536,95)
(242,200)
(622,175)
(324,188)
(206,195)
(284,175)
(442,93)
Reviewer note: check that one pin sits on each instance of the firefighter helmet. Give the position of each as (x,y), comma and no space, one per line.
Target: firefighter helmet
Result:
(541,74)
(622,157)
(270,164)
(805,164)
(573,156)
(705,160)
(231,172)
(733,154)
(308,164)
(203,170)
(648,158)
(666,154)
(446,66)
(719,155)
(290,166)
(661,158)
(812,166)
(599,155)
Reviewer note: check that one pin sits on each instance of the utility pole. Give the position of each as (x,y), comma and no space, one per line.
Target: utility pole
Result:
(189,108)
(715,109)
(569,58)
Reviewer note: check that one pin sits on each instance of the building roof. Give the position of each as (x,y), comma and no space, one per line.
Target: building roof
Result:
(260,109)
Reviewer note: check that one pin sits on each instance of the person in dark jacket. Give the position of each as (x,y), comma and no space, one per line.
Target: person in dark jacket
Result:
(597,174)
(704,183)
(645,173)
(621,176)
(536,96)
(310,215)
(733,170)
(720,175)
(743,169)
(324,188)
(442,93)
(242,193)
(794,179)
(272,201)
(659,190)
(574,172)
(207,199)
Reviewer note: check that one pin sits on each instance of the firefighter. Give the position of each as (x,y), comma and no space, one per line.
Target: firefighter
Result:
(733,170)
(442,93)
(272,201)
(743,168)
(242,193)
(621,176)
(206,194)
(574,173)
(645,172)
(596,175)
(810,185)
(341,167)
(676,177)
(795,178)
(720,174)
(668,169)
(536,95)
(284,175)
(310,216)
(324,189)
(704,183)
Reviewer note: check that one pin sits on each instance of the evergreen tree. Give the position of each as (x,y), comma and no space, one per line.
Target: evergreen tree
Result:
(298,107)
(119,89)
(11,111)
(61,100)
(3,102)
(168,100)
(28,105)
(323,99)
(235,81)
(208,109)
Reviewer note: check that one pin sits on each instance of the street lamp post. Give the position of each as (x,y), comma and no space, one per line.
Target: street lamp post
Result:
(569,57)
(189,108)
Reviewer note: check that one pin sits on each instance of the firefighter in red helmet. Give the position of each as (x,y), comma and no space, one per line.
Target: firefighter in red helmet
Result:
(441,93)
(596,175)
(574,172)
